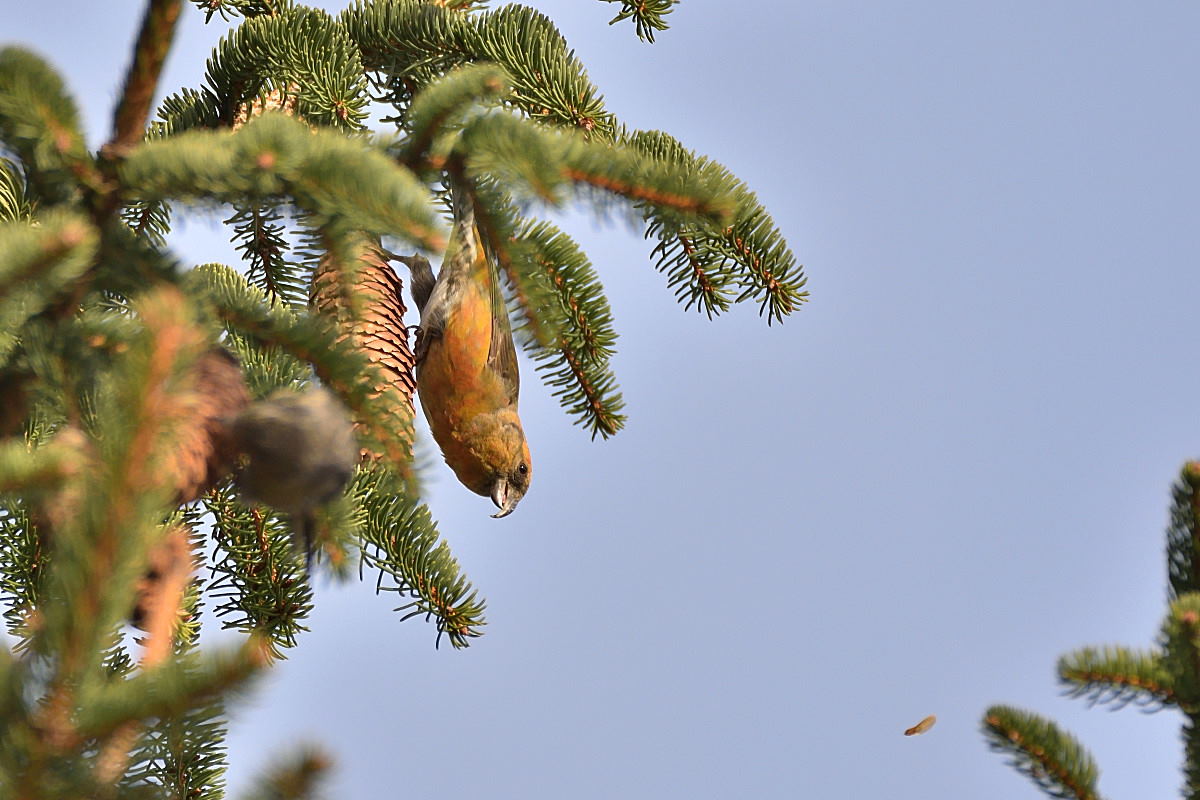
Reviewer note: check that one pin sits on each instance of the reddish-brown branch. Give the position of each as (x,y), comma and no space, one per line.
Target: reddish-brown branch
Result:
(1039,754)
(149,55)
(650,195)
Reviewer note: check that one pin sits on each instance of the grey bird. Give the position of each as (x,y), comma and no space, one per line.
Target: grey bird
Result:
(302,453)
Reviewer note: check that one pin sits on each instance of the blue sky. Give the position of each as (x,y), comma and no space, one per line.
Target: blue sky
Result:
(948,469)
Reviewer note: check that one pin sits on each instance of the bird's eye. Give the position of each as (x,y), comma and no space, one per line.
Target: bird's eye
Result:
(522,468)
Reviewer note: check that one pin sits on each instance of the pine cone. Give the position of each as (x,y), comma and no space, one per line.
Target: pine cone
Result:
(380,332)
(205,451)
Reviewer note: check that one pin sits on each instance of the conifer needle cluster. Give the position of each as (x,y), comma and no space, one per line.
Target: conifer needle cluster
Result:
(1166,676)
(121,364)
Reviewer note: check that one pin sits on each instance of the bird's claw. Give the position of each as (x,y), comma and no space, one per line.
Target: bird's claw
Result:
(421,345)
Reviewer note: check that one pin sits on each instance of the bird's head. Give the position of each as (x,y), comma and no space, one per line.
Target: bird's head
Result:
(512,481)
(491,457)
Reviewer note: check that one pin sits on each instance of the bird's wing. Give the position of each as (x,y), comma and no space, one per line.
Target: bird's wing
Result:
(502,357)
(502,353)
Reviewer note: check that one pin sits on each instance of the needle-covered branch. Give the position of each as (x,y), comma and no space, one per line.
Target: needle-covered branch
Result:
(39,123)
(576,363)
(439,110)
(401,542)
(243,8)
(1181,650)
(259,233)
(1117,676)
(37,264)
(337,179)
(300,53)
(258,580)
(170,689)
(1054,760)
(184,752)
(15,205)
(712,267)
(648,15)
(296,778)
(1183,533)
(541,162)
(149,221)
(563,319)
(43,469)
(411,43)
(1191,757)
(102,547)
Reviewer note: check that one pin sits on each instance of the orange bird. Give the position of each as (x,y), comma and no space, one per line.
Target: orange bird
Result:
(467,374)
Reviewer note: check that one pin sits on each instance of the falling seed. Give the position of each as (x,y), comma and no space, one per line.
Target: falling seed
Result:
(921,726)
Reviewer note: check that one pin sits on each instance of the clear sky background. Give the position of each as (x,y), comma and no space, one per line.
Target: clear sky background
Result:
(948,469)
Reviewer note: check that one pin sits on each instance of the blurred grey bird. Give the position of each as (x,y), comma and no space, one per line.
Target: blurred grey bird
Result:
(302,453)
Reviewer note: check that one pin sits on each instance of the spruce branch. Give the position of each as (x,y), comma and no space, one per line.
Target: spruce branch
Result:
(299,55)
(257,577)
(124,266)
(296,778)
(27,470)
(1183,533)
(714,266)
(338,180)
(244,8)
(183,754)
(101,526)
(160,595)
(259,236)
(541,161)
(411,43)
(1054,760)
(150,221)
(188,110)
(266,368)
(564,321)
(100,551)
(1191,757)
(441,108)
(576,363)
(496,219)
(37,264)
(400,540)
(170,688)
(1117,676)
(39,123)
(460,5)
(647,15)
(15,205)
(149,55)
(23,560)
(1181,650)
(549,82)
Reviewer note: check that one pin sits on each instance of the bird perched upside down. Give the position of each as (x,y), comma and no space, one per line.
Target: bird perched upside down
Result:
(467,367)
